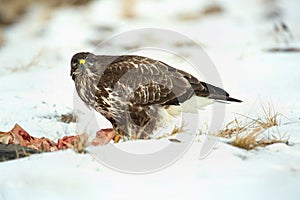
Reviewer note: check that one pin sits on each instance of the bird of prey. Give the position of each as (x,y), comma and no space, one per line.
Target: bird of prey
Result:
(133,92)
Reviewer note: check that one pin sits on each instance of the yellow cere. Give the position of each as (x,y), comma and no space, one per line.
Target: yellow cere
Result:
(81,61)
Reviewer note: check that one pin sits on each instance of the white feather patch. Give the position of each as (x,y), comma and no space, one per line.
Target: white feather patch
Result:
(190,106)
(174,111)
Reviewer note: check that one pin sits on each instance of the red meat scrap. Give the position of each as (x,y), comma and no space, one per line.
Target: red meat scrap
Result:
(20,137)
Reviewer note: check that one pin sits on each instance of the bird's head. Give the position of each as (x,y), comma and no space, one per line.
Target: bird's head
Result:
(82,64)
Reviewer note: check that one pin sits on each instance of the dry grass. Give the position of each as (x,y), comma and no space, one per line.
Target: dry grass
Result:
(269,119)
(176,130)
(248,133)
(232,128)
(68,118)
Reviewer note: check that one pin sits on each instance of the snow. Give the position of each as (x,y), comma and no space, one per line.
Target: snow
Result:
(36,88)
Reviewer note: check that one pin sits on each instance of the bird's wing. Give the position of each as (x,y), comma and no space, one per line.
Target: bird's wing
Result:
(146,81)
(203,89)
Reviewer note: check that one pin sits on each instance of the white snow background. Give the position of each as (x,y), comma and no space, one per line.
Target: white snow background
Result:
(35,87)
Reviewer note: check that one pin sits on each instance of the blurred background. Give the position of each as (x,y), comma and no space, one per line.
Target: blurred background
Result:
(31,28)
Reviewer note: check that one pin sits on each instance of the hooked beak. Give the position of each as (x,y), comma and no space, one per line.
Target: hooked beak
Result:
(73,70)
(82,66)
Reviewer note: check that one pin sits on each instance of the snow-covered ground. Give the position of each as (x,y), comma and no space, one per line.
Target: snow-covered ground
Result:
(36,88)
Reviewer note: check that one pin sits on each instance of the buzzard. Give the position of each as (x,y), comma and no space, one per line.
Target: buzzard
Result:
(133,92)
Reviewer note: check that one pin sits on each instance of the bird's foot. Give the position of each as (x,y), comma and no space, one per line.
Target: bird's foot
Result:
(104,136)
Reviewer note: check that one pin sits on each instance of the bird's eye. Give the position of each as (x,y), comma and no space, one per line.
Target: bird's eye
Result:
(82,61)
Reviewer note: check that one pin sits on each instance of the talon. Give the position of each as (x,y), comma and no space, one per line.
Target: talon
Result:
(117,138)
(104,136)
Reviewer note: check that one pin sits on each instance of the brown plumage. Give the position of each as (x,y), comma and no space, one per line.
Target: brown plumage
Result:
(131,90)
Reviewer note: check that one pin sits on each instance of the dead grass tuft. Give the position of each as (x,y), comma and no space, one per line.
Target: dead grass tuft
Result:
(248,141)
(248,133)
(269,119)
(232,128)
(68,118)
(176,130)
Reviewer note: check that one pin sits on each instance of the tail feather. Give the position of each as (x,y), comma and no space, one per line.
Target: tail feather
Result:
(233,100)
(202,89)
